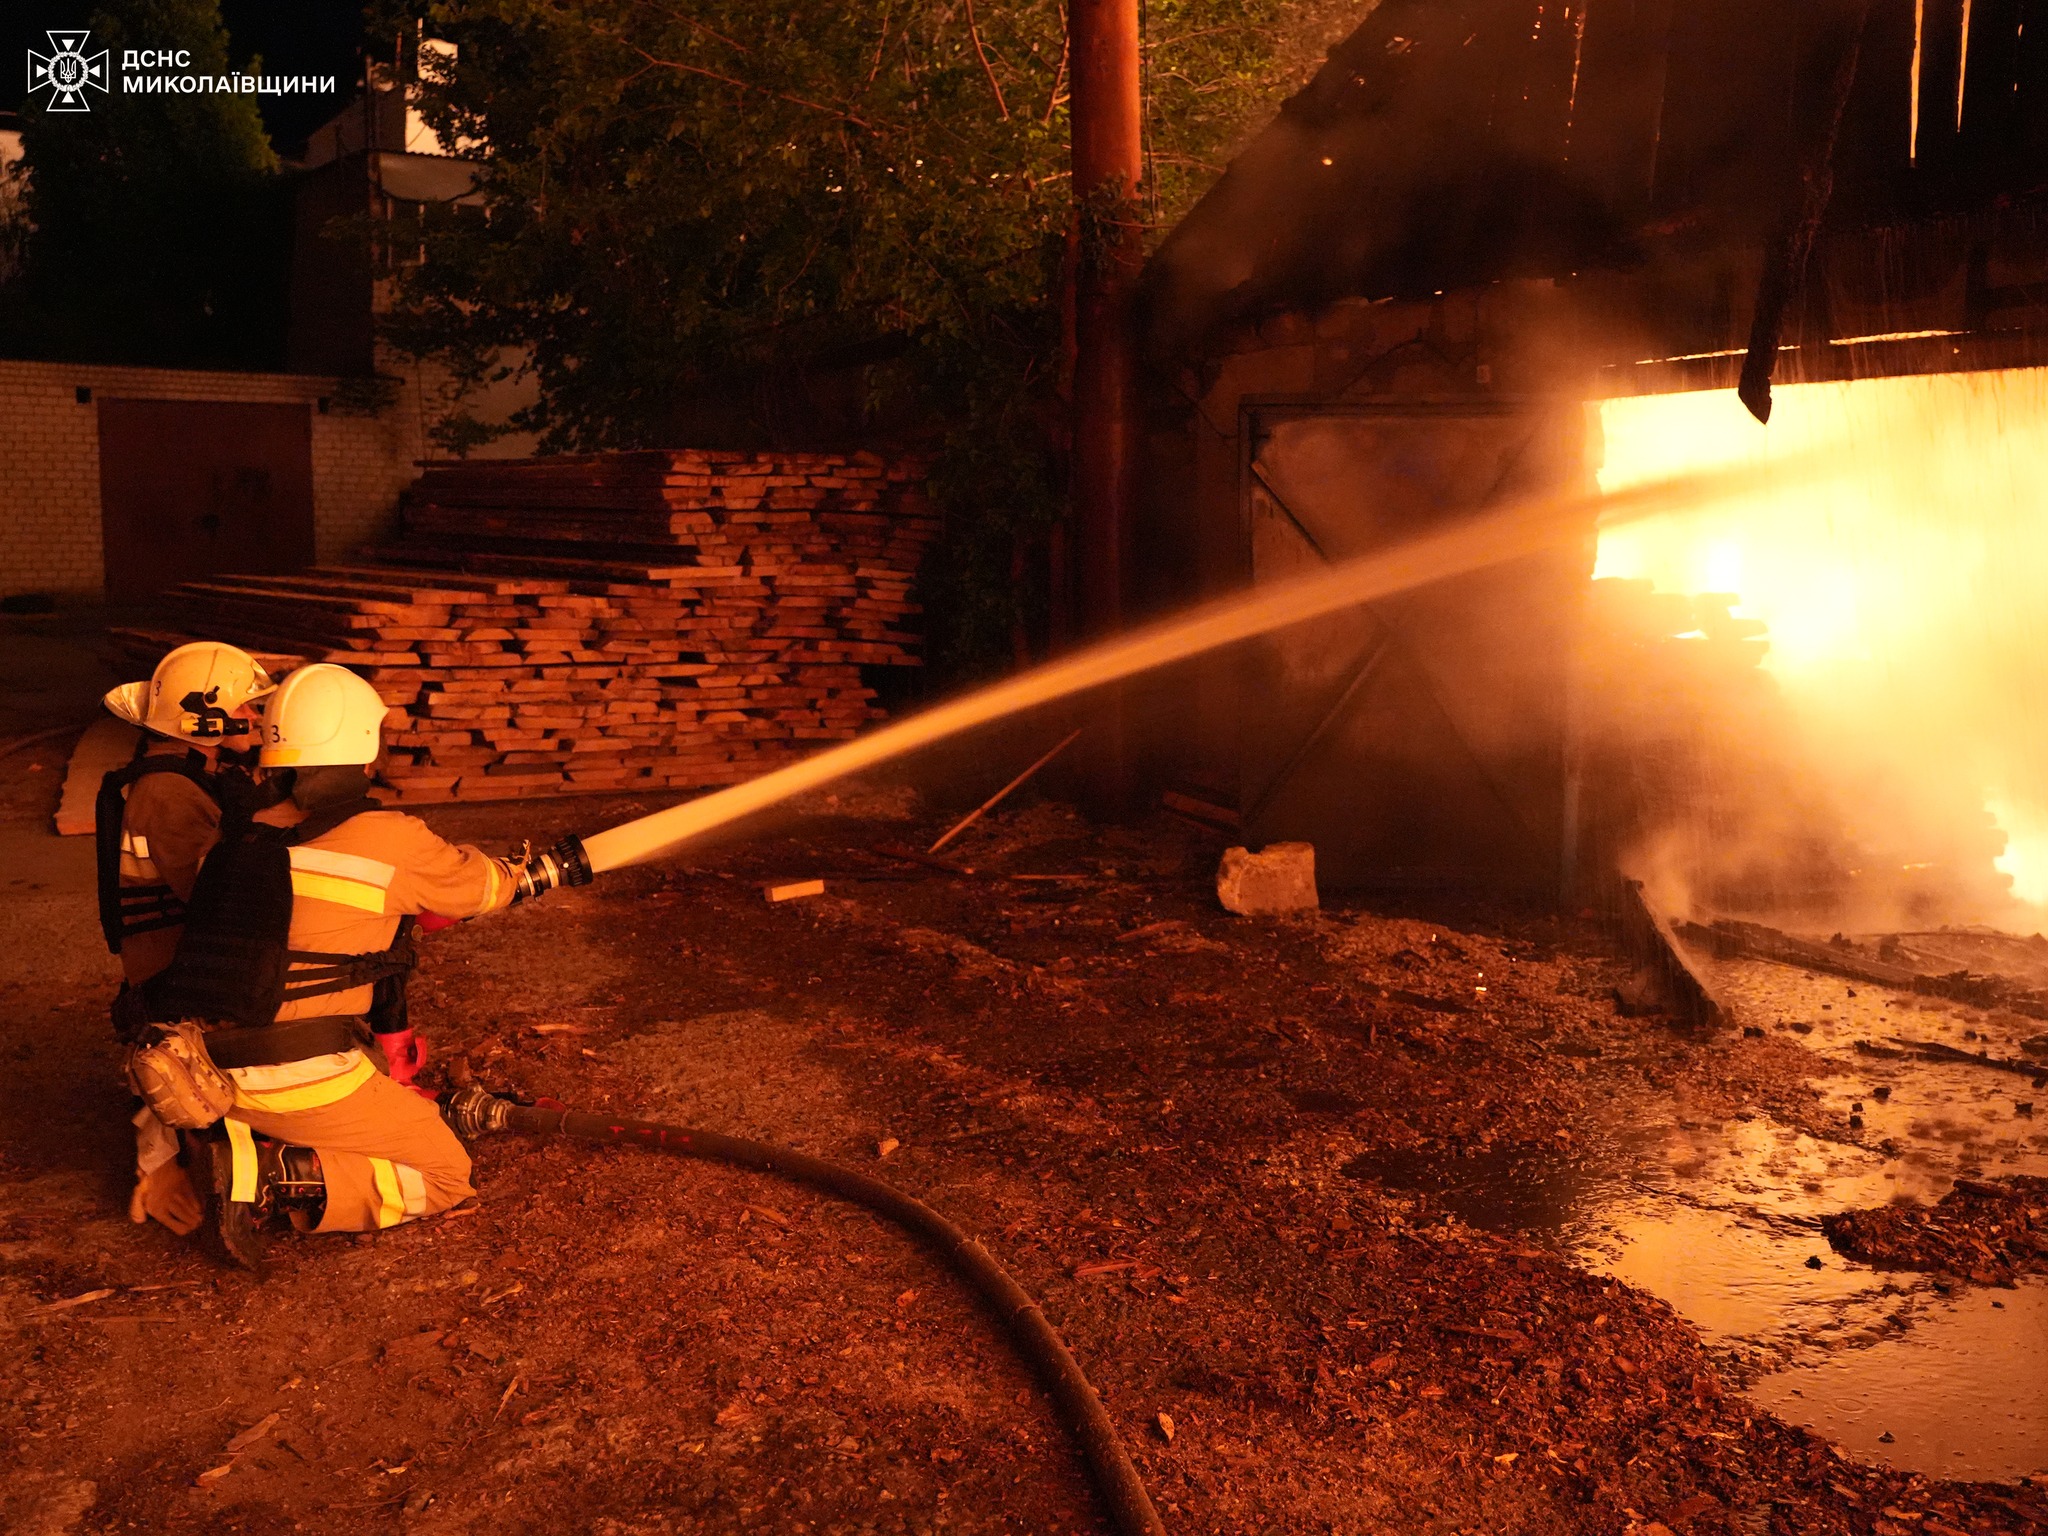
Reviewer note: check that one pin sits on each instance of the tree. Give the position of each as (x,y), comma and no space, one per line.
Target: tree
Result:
(681,195)
(146,228)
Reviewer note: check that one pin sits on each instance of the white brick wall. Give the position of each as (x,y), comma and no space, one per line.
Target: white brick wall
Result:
(50,461)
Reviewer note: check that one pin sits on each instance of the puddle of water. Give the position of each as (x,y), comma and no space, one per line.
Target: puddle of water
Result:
(1508,1189)
(1776,1169)
(1953,1117)
(1962,1393)
(1734,1279)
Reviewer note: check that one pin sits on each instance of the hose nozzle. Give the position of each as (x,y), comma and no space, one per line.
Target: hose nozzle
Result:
(563,864)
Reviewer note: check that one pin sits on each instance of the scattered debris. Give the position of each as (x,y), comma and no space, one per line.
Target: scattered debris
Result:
(1000,795)
(1934,1050)
(1104,1267)
(911,856)
(412,1343)
(253,1433)
(241,1442)
(1153,930)
(512,1388)
(1202,812)
(1982,1231)
(1727,938)
(1174,935)
(794,889)
(74,1301)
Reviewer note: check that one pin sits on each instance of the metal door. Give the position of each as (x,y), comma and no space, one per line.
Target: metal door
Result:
(1417,740)
(192,488)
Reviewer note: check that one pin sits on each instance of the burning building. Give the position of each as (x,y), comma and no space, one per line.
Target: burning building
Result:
(1505,247)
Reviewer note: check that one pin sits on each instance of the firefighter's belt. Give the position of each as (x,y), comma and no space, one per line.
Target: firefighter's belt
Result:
(275,1044)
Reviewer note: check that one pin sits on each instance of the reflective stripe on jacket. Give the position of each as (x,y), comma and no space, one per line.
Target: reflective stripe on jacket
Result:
(350,886)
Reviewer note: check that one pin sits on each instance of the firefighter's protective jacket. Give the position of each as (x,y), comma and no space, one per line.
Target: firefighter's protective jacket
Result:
(351,885)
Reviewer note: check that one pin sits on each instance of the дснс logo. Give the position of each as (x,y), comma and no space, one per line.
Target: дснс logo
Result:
(67,72)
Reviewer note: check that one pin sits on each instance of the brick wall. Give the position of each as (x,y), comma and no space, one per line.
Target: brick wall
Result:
(365,448)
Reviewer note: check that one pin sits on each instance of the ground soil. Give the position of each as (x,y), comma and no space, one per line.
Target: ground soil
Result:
(1163,1119)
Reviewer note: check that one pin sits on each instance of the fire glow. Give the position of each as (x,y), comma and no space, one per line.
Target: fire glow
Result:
(1906,593)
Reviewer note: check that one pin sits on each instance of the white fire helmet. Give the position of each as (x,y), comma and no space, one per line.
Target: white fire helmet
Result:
(194,693)
(321,715)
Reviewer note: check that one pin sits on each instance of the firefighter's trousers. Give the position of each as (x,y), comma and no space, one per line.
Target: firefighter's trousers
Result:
(385,1152)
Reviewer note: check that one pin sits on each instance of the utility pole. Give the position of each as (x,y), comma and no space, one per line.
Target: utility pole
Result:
(1108,164)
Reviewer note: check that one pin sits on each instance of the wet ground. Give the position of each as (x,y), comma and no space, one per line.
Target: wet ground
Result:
(1390,1213)
(1723,1219)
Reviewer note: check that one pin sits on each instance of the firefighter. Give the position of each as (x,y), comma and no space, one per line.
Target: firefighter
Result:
(294,960)
(155,821)
(157,818)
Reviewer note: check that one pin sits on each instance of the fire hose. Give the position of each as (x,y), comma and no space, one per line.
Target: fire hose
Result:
(473,1111)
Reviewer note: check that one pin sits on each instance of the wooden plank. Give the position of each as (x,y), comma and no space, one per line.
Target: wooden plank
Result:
(1652,944)
(106,745)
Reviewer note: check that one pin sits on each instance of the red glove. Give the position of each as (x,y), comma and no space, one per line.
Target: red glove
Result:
(434,922)
(405,1053)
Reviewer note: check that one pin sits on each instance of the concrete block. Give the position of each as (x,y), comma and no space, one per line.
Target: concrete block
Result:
(1277,880)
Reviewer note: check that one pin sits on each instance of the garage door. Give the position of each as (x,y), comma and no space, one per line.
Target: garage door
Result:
(192,488)
(1419,740)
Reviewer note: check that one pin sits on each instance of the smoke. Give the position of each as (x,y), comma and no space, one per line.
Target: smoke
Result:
(1900,721)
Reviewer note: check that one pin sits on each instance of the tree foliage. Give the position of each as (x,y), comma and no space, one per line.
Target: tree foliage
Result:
(147,229)
(678,195)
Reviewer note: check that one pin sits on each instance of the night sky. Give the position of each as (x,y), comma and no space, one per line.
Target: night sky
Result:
(293,37)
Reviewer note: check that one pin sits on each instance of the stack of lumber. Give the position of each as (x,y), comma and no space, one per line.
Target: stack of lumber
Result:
(607,621)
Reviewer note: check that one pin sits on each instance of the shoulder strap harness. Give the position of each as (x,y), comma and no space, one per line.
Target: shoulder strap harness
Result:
(235,964)
(128,910)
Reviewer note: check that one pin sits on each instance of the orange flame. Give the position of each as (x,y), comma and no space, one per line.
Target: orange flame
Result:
(1906,595)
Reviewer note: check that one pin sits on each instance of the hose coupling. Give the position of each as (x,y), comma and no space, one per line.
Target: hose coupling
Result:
(563,864)
(471,1111)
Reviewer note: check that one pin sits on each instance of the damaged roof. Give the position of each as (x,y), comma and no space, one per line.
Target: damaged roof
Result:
(1450,143)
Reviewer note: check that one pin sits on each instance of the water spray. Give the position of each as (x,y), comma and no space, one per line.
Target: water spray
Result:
(474,1112)
(1493,538)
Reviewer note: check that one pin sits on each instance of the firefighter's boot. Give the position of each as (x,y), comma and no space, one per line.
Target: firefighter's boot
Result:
(286,1179)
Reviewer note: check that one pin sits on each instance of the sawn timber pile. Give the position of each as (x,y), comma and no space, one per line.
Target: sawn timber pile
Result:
(607,621)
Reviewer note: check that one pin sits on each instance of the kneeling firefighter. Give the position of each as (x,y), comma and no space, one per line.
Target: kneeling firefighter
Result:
(296,949)
(157,818)
(155,821)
